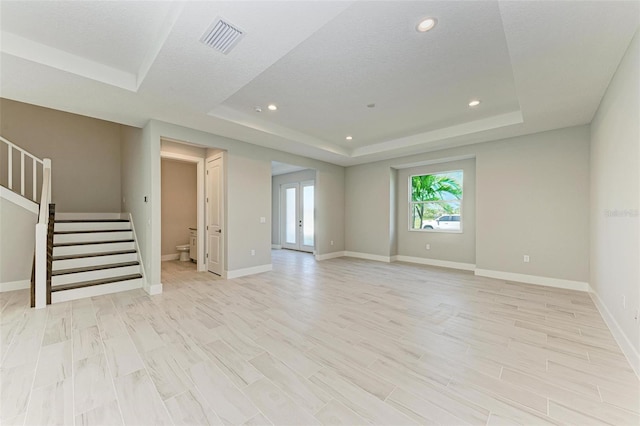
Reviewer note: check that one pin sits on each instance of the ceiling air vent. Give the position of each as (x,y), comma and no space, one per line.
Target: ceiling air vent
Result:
(222,36)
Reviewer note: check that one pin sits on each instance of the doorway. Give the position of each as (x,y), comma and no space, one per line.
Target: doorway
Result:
(298,217)
(198,162)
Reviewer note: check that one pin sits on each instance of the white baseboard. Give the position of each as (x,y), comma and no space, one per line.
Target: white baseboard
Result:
(328,256)
(19,200)
(623,341)
(436,262)
(534,279)
(14,285)
(166,257)
(276,246)
(248,271)
(367,256)
(153,289)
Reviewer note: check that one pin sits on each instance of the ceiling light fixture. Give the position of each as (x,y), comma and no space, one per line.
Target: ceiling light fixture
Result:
(426,24)
(474,103)
(272,107)
(349,138)
(258,109)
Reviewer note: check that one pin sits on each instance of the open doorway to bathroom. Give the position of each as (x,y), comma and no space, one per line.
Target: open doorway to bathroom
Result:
(293,207)
(179,213)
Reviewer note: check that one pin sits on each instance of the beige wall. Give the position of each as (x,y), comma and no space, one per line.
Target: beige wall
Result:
(85,154)
(452,247)
(615,201)
(179,203)
(532,198)
(276,181)
(17,227)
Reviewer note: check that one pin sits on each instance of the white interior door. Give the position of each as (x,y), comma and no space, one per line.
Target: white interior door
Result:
(215,217)
(298,216)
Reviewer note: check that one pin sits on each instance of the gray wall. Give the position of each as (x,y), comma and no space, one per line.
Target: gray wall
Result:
(84,151)
(136,184)
(532,198)
(368,206)
(615,198)
(17,227)
(179,203)
(248,197)
(276,181)
(453,247)
(182,149)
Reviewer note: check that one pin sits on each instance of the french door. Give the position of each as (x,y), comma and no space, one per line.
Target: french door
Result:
(297,216)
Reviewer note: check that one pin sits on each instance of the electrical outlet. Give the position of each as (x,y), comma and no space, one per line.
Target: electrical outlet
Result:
(263,219)
(624,302)
(428,246)
(331,242)
(253,252)
(526,258)
(636,317)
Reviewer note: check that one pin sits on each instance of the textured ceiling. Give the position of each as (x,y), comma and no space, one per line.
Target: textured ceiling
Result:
(535,65)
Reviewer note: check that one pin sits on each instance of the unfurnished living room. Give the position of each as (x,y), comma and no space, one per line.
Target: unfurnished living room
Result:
(319,212)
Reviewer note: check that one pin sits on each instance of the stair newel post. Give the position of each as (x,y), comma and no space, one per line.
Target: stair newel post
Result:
(46,164)
(41,265)
(42,239)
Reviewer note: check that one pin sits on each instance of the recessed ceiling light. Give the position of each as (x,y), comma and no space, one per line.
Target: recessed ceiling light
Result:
(272,107)
(474,103)
(349,138)
(258,109)
(426,24)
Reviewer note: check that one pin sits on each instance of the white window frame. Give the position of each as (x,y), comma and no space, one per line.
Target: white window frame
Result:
(411,203)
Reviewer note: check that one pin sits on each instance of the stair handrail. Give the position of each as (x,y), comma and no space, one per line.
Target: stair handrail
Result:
(35,161)
(42,230)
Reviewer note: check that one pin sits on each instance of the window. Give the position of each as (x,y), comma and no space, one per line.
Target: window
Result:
(435,202)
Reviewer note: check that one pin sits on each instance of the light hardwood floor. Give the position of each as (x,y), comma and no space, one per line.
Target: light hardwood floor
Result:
(343,341)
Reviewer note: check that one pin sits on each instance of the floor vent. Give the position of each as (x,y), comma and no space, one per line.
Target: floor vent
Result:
(222,36)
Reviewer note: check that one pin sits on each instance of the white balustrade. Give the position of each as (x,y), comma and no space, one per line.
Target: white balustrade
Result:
(43,218)
(36,164)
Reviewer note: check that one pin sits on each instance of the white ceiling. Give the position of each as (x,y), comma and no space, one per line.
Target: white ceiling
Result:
(535,65)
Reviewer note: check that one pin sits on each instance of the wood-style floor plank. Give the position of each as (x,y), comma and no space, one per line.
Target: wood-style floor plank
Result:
(344,341)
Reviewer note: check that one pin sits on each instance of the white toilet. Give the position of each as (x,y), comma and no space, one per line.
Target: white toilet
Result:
(184,252)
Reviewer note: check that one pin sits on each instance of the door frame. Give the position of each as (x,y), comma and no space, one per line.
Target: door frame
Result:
(200,205)
(223,215)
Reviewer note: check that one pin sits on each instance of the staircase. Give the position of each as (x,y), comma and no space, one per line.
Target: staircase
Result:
(93,256)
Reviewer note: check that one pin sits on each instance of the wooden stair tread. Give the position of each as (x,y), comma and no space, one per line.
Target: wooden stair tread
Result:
(84,255)
(89,220)
(94,282)
(90,232)
(94,268)
(87,243)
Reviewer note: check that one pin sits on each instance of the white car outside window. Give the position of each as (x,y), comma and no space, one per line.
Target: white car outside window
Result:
(444,222)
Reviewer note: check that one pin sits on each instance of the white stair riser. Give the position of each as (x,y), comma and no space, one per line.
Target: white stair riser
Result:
(96,290)
(93,261)
(98,236)
(92,248)
(88,216)
(91,226)
(94,275)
